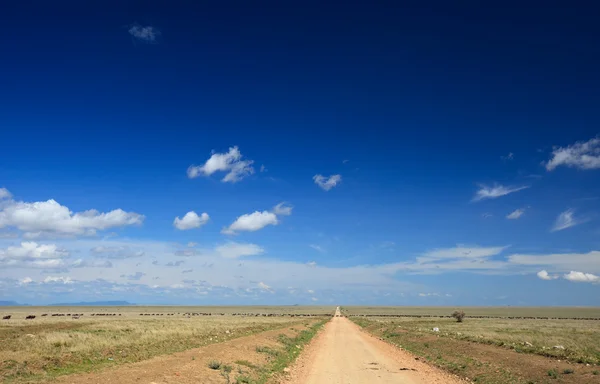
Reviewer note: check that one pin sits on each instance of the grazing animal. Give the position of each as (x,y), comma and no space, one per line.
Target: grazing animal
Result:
(30,317)
(7,317)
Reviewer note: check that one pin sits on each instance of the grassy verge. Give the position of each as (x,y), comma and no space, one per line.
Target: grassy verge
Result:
(45,351)
(278,358)
(480,362)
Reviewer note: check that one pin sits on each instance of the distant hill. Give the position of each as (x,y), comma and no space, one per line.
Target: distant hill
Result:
(11,304)
(93,304)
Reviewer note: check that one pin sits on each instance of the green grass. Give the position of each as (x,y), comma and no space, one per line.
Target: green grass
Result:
(291,347)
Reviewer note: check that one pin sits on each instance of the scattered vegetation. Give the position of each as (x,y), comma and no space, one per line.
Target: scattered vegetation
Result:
(214,364)
(53,346)
(495,351)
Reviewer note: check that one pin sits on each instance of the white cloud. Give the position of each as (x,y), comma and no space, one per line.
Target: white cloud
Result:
(146,34)
(191,220)
(233,250)
(282,209)
(560,261)
(460,252)
(264,287)
(314,299)
(263,168)
(326,183)
(29,250)
(58,279)
(251,222)
(515,214)
(25,281)
(5,194)
(580,277)
(431,295)
(317,248)
(230,162)
(492,192)
(582,155)
(510,156)
(192,244)
(33,255)
(543,274)
(50,218)
(311,264)
(566,220)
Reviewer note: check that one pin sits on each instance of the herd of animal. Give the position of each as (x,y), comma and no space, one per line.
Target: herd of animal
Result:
(187,314)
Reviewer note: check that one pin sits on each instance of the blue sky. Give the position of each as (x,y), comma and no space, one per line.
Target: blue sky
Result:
(330,154)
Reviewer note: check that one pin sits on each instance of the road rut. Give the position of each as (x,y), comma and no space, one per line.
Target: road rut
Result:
(343,353)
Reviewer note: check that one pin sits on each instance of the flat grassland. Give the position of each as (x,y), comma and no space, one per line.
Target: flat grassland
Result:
(59,343)
(509,348)
(506,311)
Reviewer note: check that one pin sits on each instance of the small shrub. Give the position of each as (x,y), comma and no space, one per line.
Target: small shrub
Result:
(214,364)
(552,373)
(458,315)
(568,371)
(227,368)
(595,372)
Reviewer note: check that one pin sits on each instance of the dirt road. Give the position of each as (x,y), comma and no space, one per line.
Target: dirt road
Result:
(343,353)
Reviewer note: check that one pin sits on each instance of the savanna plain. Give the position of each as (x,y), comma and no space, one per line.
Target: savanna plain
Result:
(260,344)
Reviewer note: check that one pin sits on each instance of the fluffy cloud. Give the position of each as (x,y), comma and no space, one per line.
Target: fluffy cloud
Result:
(33,255)
(50,218)
(580,277)
(146,34)
(495,191)
(251,222)
(326,183)
(31,250)
(515,214)
(58,279)
(282,209)
(582,155)
(233,250)
(25,281)
(230,162)
(191,220)
(565,220)
(543,274)
(5,194)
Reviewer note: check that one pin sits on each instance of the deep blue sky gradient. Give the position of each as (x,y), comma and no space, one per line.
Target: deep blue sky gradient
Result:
(423,99)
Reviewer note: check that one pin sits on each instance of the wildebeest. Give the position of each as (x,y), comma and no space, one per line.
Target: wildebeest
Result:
(30,317)
(7,317)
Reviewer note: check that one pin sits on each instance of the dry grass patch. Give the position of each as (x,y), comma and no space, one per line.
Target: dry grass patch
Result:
(57,346)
